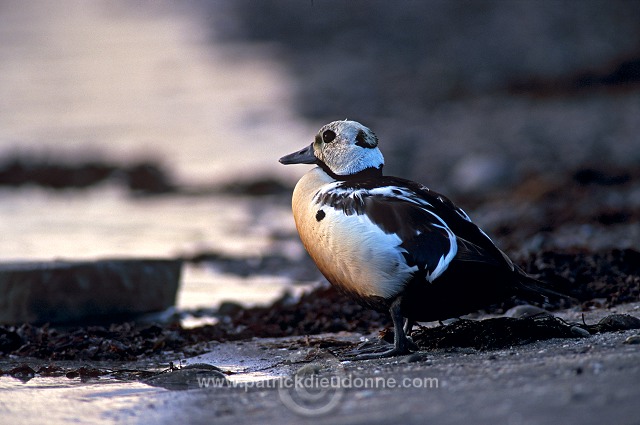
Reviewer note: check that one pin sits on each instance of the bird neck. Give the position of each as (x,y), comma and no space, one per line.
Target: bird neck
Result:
(367,173)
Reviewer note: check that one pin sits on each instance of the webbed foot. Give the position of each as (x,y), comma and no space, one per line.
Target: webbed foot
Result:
(381,349)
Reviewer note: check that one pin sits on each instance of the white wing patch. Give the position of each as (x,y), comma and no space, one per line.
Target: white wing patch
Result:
(445,260)
(359,194)
(464,215)
(399,193)
(409,196)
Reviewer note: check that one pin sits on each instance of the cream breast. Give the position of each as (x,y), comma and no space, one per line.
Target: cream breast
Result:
(350,250)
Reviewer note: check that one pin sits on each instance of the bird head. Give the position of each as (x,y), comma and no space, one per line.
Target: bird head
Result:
(342,149)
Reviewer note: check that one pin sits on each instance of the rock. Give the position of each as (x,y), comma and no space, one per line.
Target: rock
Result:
(618,322)
(24,372)
(633,339)
(81,291)
(580,332)
(525,310)
(194,376)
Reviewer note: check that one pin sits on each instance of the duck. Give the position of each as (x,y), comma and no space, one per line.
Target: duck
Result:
(392,244)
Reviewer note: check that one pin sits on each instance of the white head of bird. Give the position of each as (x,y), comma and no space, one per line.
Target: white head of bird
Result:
(342,148)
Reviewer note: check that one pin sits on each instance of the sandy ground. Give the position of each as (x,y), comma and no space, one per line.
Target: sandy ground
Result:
(590,380)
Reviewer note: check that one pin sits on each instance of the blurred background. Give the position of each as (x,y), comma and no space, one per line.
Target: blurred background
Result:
(153,128)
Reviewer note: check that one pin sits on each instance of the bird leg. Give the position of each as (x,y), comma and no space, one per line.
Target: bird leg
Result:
(401,343)
(408,327)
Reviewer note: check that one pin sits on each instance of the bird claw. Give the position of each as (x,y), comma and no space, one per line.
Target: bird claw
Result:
(380,349)
(371,345)
(392,352)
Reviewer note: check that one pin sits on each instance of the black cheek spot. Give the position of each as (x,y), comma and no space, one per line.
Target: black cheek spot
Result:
(396,192)
(320,215)
(362,142)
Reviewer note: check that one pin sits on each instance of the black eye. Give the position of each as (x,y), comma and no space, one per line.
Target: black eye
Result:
(328,136)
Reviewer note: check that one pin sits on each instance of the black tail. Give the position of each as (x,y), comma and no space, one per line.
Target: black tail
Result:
(532,289)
